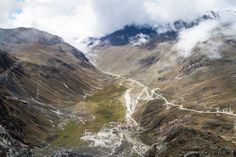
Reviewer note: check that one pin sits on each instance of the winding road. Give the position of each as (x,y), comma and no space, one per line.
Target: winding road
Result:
(135,93)
(154,95)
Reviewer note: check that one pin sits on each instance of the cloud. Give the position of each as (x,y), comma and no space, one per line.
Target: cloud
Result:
(167,11)
(7,9)
(140,39)
(189,38)
(203,34)
(76,19)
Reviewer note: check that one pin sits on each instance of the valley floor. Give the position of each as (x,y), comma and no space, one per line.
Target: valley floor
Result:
(102,124)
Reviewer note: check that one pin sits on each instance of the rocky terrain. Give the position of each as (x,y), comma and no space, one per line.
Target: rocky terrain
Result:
(41,76)
(191,105)
(139,96)
(54,102)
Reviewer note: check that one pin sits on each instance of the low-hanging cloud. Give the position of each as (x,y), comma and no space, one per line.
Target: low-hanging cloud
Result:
(189,38)
(76,19)
(203,34)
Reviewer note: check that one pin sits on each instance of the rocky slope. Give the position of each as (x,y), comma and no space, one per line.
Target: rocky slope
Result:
(159,101)
(41,76)
(193,113)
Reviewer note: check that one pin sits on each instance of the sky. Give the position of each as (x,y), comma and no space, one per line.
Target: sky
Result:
(75,20)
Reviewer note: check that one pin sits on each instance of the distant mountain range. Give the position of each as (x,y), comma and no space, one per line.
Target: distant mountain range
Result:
(158,33)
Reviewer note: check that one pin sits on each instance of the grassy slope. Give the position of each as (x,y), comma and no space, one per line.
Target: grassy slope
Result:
(105,106)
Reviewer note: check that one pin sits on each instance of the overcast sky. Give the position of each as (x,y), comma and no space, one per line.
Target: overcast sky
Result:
(76,19)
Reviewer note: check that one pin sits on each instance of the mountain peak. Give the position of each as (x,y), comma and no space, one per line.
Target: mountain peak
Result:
(24,35)
(123,36)
(126,35)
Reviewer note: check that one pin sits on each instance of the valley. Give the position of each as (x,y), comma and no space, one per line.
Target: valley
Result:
(55,102)
(150,102)
(183,101)
(113,78)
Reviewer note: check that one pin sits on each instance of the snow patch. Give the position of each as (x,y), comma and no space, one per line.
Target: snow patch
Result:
(140,39)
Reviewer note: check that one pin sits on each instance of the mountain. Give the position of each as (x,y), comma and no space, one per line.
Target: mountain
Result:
(137,94)
(41,76)
(123,36)
(158,33)
(184,105)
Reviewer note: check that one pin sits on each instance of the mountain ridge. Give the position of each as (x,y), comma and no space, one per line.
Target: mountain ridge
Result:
(159,33)
(40,77)
(196,93)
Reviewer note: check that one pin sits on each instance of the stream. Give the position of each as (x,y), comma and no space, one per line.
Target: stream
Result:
(121,139)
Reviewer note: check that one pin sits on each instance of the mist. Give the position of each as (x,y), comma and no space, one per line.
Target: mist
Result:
(79,19)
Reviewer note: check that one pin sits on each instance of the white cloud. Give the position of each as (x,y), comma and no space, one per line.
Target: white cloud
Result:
(7,8)
(171,10)
(203,34)
(189,38)
(140,39)
(75,19)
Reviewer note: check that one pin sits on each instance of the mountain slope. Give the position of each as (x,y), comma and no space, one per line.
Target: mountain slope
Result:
(40,77)
(192,106)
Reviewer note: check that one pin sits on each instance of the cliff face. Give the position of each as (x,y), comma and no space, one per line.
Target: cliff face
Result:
(40,76)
